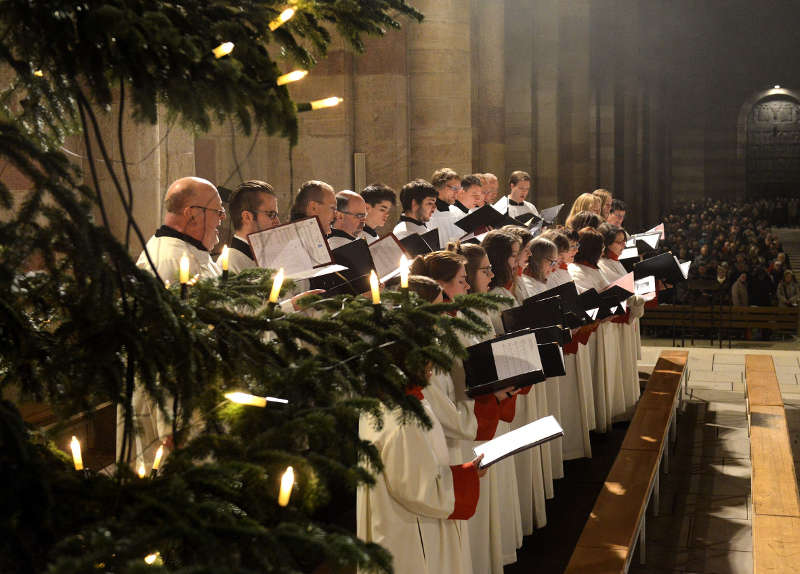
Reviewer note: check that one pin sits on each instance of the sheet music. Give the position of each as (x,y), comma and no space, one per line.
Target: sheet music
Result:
(551,213)
(297,247)
(386,254)
(650,238)
(501,205)
(684,267)
(593,313)
(629,252)
(657,229)
(317,272)
(516,356)
(448,230)
(626,282)
(530,435)
(645,285)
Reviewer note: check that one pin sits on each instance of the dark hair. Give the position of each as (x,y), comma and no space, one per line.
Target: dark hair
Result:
(590,246)
(470,180)
(441,176)
(559,237)
(618,205)
(473,254)
(312,190)
(584,219)
(247,197)
(378,192)
(416,190)
(425,287)
(439,265)
(520,233)
(609,233)
(540,249)
(499,247)
(518,176)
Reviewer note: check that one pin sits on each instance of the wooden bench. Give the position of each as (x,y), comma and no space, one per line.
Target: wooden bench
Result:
(776,504)
(617,521)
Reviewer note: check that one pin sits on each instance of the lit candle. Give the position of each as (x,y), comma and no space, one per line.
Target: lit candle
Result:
(141,471)
(276,286)
(374,287)
(150,559)
(157,459)
(223,50)
(252,400)
(284,17)
(287,482)
(77,460)
(184,274)
(224,260)
(403,272)
(38,73)
(326,103)
(291,77)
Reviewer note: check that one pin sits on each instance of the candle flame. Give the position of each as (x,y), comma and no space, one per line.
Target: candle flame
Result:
(287,482)
(374,287)
(291,77)
(77,459)
(223,50)
(284,17)
(159,456)
(184,266)
(224,257)
(141,470)
(326,103)
(276,286)
(403,272)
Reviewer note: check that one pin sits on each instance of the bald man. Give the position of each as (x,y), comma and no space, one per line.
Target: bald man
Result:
(316,199)
(191,225)
(352,215)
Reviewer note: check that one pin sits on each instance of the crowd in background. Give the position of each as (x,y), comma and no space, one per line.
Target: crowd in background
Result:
(736,259)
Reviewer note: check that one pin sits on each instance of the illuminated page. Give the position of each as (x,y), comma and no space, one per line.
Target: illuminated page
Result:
(516,356)
(645,285)
(296,247)
(386,254)
(525,437)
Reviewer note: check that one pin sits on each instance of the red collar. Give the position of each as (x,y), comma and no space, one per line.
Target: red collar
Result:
(563,266)
(611,255)
(415,391)
(586,264)
(509,285)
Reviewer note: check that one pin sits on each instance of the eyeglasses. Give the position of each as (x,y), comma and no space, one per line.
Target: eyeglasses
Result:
(356,215)
(553,262)
(454,187)
(269,214)
(485,270)
(220,212)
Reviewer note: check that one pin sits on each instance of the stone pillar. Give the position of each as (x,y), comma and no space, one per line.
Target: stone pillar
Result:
(438,55)
(489,86)
(519,98)
(546,49)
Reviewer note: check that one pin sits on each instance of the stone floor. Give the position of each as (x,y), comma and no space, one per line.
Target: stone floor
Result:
(704,521)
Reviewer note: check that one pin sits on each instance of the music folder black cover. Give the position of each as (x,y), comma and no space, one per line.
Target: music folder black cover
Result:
(432,239)
(529,220)
(533,314)
(663,266)
(486,216)
(552,359)
(355,279)
(414,245)
(553,334)
(510,360)
(574,314)
(549,215)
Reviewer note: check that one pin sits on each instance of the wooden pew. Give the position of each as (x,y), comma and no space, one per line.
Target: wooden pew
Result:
(617,520)
(776,504)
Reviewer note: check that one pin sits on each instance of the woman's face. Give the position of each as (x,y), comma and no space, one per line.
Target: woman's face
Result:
(567,257)
(524,257)
(597,207)
(606,209)
(618,245)
(514,258)
(483,277)
(457,285)
(548,265)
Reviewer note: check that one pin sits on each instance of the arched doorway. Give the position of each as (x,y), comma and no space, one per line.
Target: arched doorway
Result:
(773,147)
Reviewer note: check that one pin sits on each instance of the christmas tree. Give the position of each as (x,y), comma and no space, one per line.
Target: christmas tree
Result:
(83,325)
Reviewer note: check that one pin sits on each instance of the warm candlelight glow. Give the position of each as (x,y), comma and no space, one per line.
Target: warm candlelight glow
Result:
(284,17)
(276,286)
(403,272)
(374,287)
(223,50)
(151,558)
(77,460)
(326,103)
(287,482)
(253,400)
(223,258)
(38,73)
(184,268)
(159,456)
(141,471)
(292,77)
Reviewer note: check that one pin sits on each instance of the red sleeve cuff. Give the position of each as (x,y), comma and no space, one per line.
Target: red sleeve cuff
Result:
(467,487)
(508,408)
(526,390)
(487,412)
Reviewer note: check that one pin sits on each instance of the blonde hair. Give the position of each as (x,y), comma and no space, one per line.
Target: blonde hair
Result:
(605,198)
(584,202)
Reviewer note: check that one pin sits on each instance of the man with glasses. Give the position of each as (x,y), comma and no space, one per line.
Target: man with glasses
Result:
(316,199)
(254,207)
(191,225)
(352,215)
(447,184)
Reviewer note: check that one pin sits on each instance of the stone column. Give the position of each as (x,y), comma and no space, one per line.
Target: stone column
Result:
(489,28)
(520,121)
(439,104)
(546,49)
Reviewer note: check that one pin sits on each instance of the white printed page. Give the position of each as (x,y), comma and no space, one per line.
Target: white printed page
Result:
(527,436)
(386,254)
(516,356)
(296,247)
(645,285)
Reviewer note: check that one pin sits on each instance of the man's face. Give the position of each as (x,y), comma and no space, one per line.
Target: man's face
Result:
(471,196)
(616,217)
(448,192)
(424,210)
(352,219)
(325,210)
(490,191)
(265,216)
(206,216)
(378,214)
(520,191)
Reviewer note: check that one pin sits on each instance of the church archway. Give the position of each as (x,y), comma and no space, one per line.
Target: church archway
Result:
(772,144)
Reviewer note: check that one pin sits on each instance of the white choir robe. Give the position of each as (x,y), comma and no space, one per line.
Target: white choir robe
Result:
(166,254)
(369,235)
(604,347)
(530,472)
(407,510)
(575,395)
(613,270)
(237,260)
(405,228)
(445,222)
(546,397)
(517,210)
(338,238)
